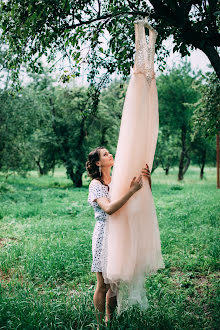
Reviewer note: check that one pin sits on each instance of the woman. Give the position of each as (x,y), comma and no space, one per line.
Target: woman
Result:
(98,166)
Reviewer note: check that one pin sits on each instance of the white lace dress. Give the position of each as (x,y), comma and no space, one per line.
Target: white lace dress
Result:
(97,190)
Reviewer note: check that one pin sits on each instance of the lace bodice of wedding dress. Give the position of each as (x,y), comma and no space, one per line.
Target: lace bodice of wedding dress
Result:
(144,57)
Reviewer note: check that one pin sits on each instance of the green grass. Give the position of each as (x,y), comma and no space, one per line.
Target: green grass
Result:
(45,254)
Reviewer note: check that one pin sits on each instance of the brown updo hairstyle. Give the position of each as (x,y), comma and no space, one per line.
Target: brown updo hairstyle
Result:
(91,167)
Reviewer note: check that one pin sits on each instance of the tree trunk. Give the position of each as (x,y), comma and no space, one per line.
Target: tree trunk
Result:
(167,170)
(78,179)
(69,172)
(103,140)
(213,57)
(183,168)
(187,163)
(201,172)
(81,157)
(203,164)
(181,162)
(182,155)
(217,158)
(41,171)
(155,165)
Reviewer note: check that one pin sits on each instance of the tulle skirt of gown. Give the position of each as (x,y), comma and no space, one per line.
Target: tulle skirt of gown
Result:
(132,240)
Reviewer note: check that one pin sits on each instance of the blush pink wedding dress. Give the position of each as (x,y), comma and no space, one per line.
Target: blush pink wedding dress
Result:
(132,246)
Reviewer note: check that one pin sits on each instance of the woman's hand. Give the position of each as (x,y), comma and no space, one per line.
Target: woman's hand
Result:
(112,207)
(146,172)
(136,184)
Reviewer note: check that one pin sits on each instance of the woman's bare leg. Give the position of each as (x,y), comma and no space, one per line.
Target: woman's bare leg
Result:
(99,298)
(111,303)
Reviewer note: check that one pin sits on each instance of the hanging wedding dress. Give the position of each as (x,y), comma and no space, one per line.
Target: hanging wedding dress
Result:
(132,240)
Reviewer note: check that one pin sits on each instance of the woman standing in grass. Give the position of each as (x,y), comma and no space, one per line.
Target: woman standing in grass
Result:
(98,166)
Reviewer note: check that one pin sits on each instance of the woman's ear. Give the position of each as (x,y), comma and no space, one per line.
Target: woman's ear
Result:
(98,163)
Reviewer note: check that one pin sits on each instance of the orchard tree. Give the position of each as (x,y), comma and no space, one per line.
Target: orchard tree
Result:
(203,151)
(206,115)
(75,128)
(43,139)
(110,112)
(76,30)
(168,149)
(175,92)
(79,127)
(26,135)
(18,122)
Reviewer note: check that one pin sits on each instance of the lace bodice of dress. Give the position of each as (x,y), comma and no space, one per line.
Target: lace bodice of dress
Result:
(144,57)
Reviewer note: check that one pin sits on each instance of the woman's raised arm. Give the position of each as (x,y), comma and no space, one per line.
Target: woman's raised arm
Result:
(111,207)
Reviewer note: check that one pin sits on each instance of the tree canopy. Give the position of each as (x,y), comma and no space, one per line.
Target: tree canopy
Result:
(174,91)
(78,30)
(206,116)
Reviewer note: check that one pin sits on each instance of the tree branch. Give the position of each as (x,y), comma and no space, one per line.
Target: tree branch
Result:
(99,10)
(110,15)
(213,56)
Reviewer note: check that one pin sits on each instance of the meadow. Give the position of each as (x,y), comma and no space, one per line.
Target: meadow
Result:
(46,230)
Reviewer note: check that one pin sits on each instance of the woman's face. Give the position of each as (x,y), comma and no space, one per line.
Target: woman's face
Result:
(106,159)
